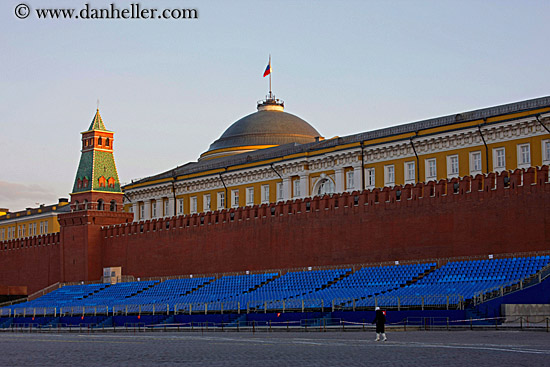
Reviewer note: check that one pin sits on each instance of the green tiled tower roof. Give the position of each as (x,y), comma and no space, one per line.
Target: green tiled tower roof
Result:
(97,169)
(97,122)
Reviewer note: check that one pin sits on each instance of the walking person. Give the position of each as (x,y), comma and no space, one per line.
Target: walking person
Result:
(380,321)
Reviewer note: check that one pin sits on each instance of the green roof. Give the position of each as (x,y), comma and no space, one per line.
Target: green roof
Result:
(97,122)
(96,170)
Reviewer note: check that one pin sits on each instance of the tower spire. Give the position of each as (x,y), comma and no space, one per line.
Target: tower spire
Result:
(96,178)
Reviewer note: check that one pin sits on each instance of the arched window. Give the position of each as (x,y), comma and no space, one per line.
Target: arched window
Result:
(85,182)
(100,204)
(78,183)
(76,205)
(85,204)
(106,142)
(113,206)
(99,141)
(324,186)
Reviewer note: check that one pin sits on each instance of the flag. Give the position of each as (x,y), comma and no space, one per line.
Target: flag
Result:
(267,69)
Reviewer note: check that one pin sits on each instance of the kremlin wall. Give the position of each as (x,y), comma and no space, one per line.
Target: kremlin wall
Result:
(279,206)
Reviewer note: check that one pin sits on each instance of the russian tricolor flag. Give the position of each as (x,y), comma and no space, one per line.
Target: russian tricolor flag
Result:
(267,69)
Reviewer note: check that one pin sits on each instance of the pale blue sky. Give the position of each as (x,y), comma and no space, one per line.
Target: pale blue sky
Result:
(169,88)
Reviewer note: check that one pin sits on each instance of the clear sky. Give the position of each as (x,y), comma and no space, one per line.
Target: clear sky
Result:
(169,88)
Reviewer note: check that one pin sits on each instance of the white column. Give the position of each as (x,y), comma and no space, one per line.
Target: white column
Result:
(339,180)
(287,188)
(171,202)
(147,204)
(304,185)
(135,210)
(357,177)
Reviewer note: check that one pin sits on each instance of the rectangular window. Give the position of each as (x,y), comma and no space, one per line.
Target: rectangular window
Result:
(235,198)
(165,208)
(34,229)
(499,159)
(452,165)
(524,155)
(41,227)
(410,174)
(371,179)
(153,209)
(221,200)
(546,152)
(2,234)
(141,211)
(296,188)
(193,204)
(475,163)
(30,230)
(249,196)
(46,227)
(206,203)
(280,191)
(431,169)
(389,175)
(265,194)
(180,206)
(350,185)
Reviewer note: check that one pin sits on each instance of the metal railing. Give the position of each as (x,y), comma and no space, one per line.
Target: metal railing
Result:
(448,302)
(511,286)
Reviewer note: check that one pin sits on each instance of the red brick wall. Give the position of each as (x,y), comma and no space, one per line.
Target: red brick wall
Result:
(428,221)
(31,262)
(336,231)
(81,242)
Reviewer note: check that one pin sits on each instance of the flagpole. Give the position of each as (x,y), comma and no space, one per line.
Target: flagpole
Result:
(270,72)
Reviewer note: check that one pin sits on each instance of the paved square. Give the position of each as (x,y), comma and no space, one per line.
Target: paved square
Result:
(412,348)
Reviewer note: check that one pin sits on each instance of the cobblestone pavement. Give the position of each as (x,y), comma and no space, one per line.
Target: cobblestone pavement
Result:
(413,348)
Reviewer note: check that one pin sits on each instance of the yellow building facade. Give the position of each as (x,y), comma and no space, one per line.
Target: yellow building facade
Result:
(31,221)
(269,157)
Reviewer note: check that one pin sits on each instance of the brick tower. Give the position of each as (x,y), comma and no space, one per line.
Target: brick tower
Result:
(96,201)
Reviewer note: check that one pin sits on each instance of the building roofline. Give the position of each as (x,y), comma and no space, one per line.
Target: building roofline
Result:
(61,206)
(294,148)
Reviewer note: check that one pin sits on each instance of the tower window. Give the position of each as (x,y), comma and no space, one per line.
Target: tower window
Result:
(106,142)
(111,182)
(102,181)
(99,141)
